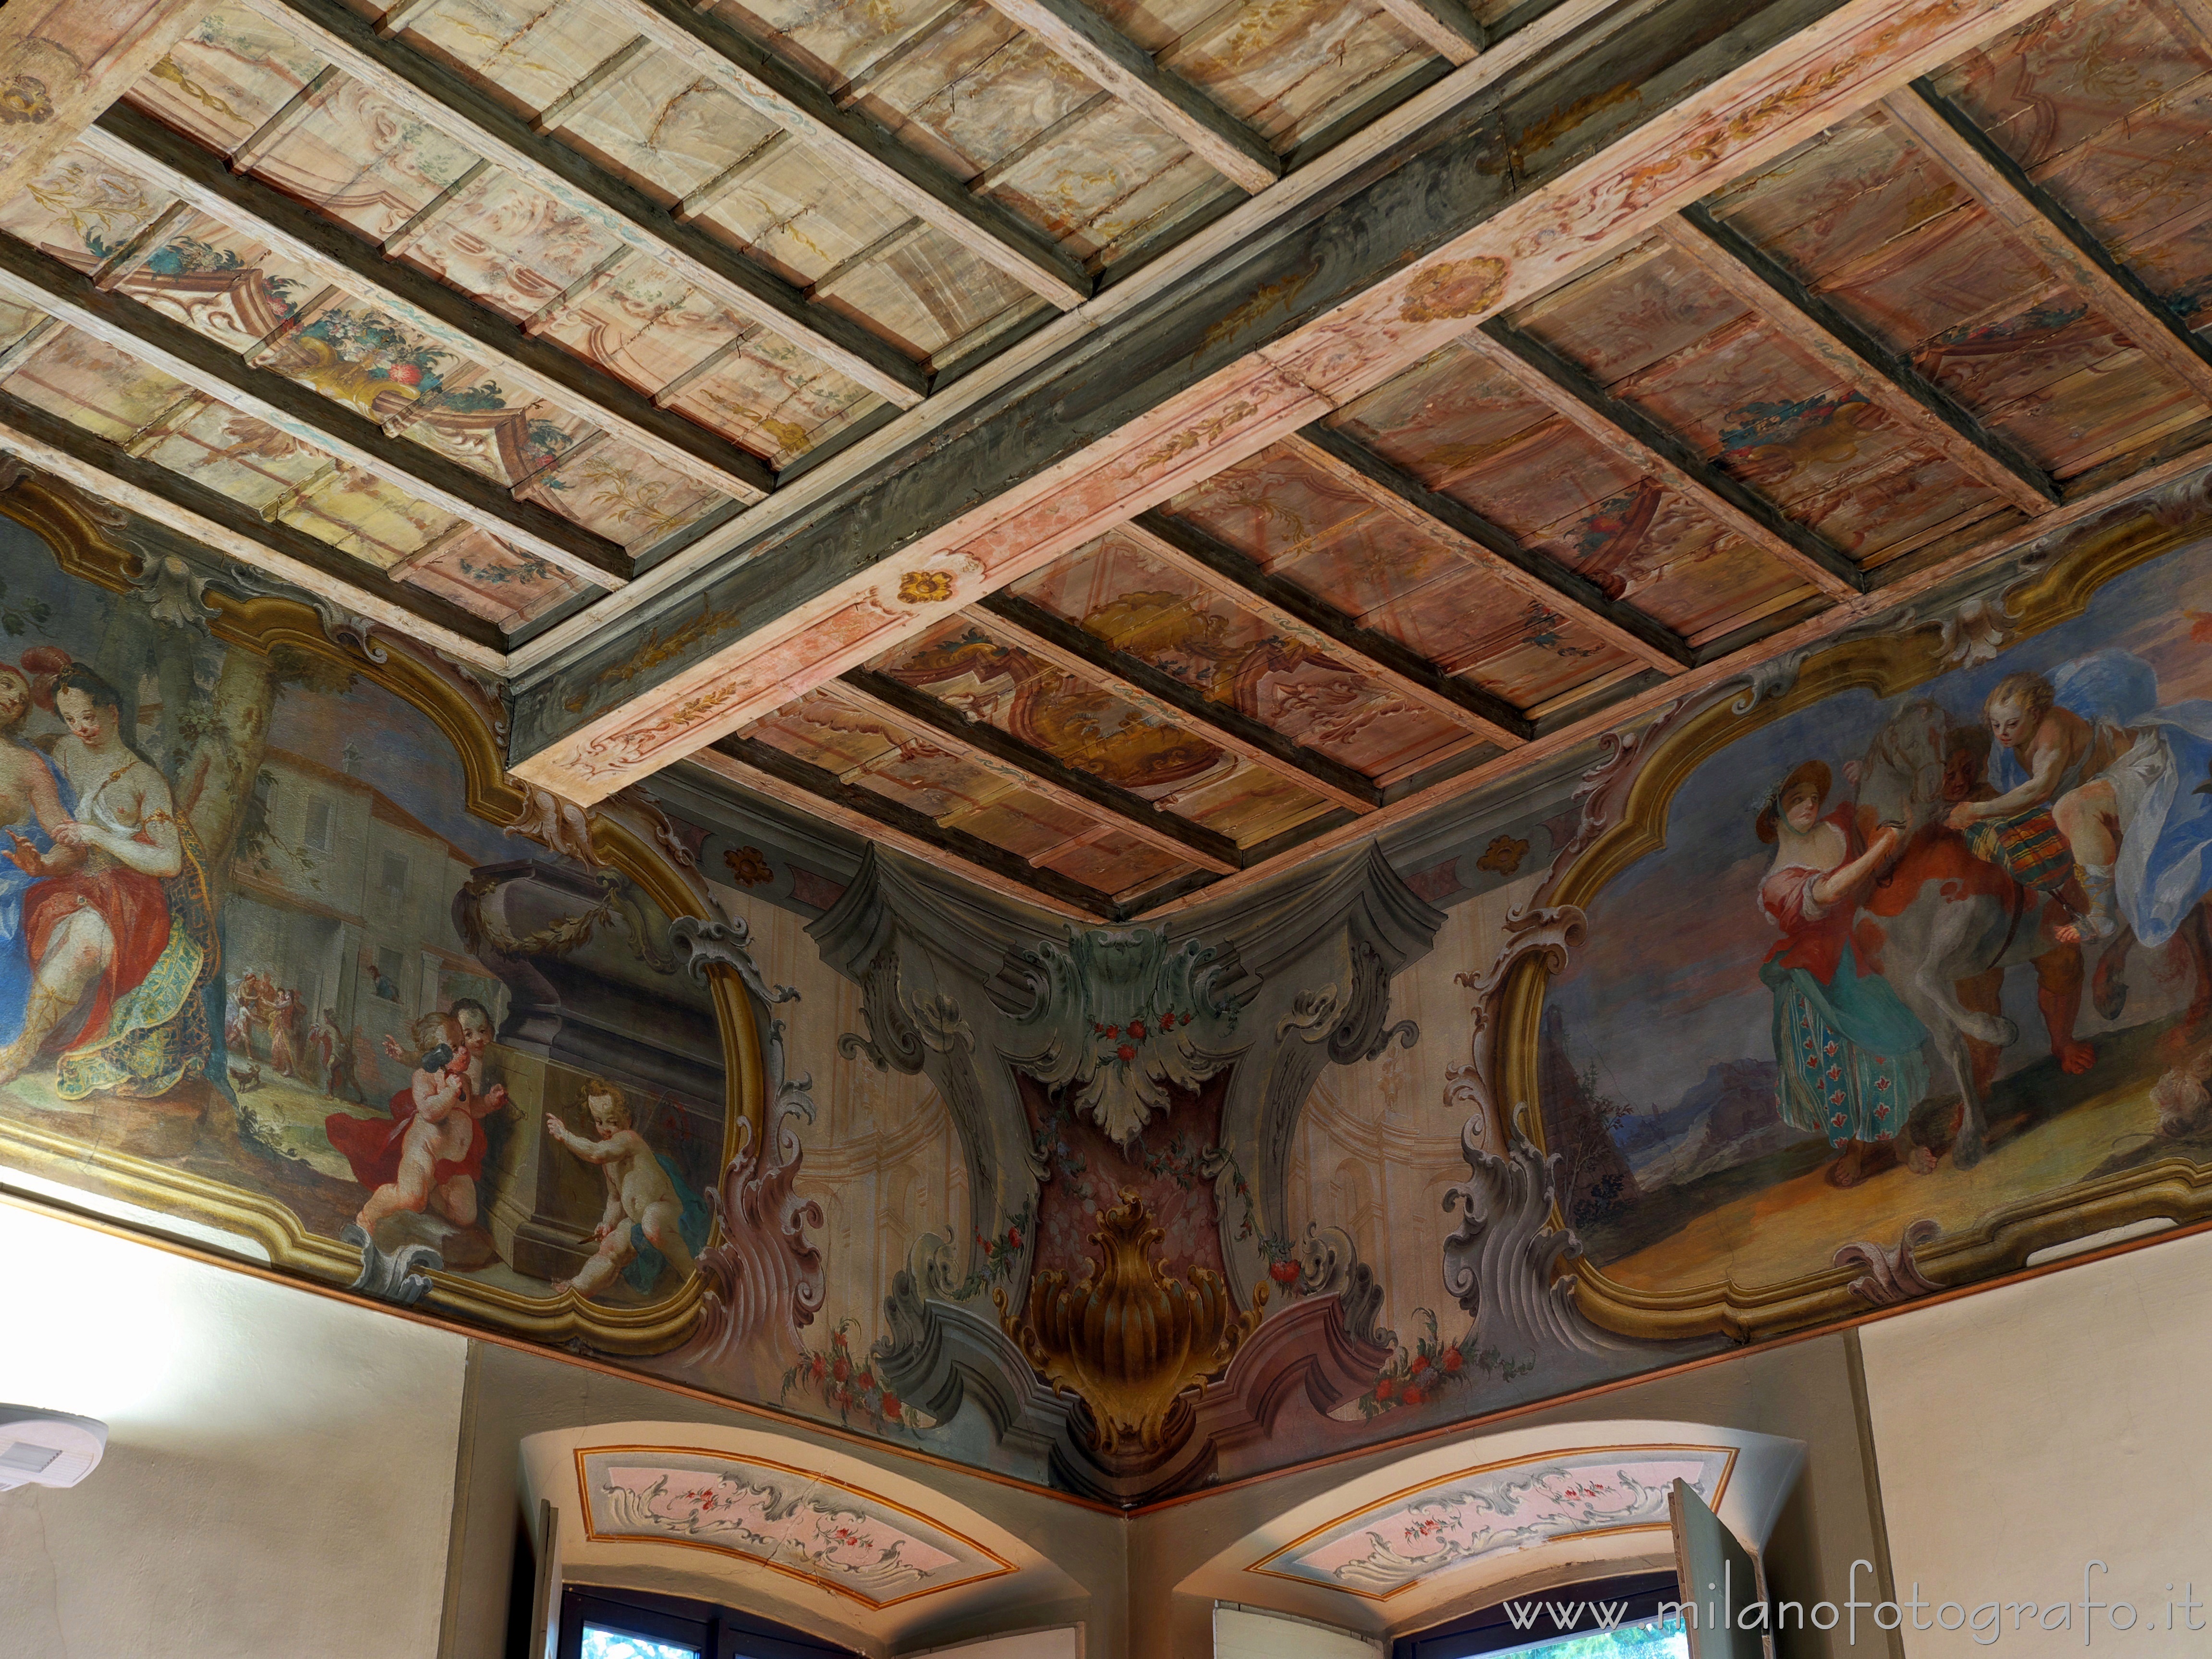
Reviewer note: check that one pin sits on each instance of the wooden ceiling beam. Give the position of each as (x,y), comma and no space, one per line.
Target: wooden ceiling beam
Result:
(853,144)
(447,102)
(1890,381)
(1071,646)
(1612,423)
(112,472)
(345,434)
(1486,714)
(1052,777)
(132,139)
(1076,32)
(1447,27)
(763,768)
(1556,587)
(2052,234)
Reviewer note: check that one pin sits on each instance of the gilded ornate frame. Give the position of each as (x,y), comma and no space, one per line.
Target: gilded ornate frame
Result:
(77,536)
(1885,664)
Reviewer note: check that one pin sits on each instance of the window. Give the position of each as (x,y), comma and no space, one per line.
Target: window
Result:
(600,1643)
(1614,1618)
(615,1624)
(265,786)
(318,835)
(385,973)
(391,881)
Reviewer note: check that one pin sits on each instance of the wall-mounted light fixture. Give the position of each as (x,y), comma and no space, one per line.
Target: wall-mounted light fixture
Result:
(47,1448)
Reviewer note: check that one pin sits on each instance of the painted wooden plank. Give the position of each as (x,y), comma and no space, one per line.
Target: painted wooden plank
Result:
(1481,711)
(1166,544)
(161,342)
(1525,571)
(1447,27)
(1619,715)
(2052,234)
(1069,646)
(1050,776)
(766,771)
(111,473)
(1644,444)
(1111,60)
(1727,105)
(431,93)
(64,63)
(135,142)
(852,143)
(1809,322)
(1234,231)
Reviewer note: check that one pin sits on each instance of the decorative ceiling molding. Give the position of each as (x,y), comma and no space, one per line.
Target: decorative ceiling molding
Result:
(835,1535)
(1411,1538)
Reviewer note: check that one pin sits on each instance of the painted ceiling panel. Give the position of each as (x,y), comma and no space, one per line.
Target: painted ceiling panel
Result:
(657,124)
(1278,504)
(106,391)
(1976,310)
(523,52)
(829,39)
(222,81)
(961,664)
(2070,72)
(1649,304)
(421,387)
(1287,68)
(1117,863)
(1840,197)
(359,160)
(1138,602)
(1453,416)
(862,746)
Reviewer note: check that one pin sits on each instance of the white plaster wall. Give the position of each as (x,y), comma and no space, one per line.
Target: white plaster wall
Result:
(2022,1433)
(279,1475)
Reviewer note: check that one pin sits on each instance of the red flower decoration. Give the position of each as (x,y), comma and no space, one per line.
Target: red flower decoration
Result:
(1113,1030)
(865,1380)
(1137,1030)
(1420,1364)
(1410,1397)
(1284,1272)
(1385,1387)
(840,1367)
(405,373)
(892,1408)
(1013,1239)
(1452,1360)
(1125,1053)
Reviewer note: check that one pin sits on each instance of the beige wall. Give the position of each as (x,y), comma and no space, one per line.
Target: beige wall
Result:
(2028,1429)
(279,1475)
(1803,1391)
(514,1395)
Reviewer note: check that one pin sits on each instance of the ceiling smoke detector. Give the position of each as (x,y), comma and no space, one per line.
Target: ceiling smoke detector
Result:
(47,1448)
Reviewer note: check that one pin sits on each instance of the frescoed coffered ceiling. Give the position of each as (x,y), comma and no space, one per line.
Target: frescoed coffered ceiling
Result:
(1118,450)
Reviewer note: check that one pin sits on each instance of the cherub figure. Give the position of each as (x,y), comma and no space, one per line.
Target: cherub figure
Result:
(641,1196)
(432,1151)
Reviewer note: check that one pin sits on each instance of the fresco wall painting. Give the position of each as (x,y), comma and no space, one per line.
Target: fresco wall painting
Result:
(272,962)
(1916,941)
(880,1152)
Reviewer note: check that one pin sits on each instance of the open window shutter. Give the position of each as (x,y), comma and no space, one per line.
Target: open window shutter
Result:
(545,1602)
(1720,1581)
